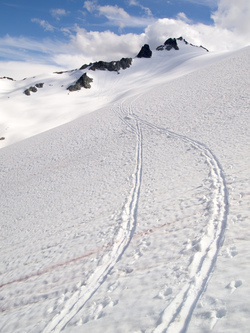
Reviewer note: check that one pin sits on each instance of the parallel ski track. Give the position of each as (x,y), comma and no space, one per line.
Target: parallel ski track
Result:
(177,315)
(125,233)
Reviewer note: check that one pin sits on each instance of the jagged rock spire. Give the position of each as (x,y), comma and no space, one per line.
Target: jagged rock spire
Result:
(145,52)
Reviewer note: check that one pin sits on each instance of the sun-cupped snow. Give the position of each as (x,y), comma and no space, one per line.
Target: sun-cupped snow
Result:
(135,216)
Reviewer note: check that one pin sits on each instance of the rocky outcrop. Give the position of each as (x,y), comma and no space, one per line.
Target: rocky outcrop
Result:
(7,78)
(112,66)
(182,39)
(83,82)
(63,72)
(33,88)
(170,44)
(39,85)
(145,52)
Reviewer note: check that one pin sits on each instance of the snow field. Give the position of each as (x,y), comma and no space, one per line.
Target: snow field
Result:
(134,218)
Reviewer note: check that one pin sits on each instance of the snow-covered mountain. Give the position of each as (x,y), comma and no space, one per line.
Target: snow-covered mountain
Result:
(126,207)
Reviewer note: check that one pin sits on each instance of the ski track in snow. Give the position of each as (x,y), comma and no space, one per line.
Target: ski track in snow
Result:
(176,316)
(125,233)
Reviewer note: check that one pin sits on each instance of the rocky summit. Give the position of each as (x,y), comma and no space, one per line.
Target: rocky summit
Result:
(145,52)
(170,44)
(113,66)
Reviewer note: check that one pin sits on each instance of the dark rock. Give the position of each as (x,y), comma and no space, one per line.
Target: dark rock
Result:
(168,45)
(145,52)
(62,72)
(182,39)
(204,48)
(86,66)
(112,66)
(125,62)
(82,82)
(8,78)
(33,89)
(171,43)
(2,138)
(27,92)
(39,85)
(160,48)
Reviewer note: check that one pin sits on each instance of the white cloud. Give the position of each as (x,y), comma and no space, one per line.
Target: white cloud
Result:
(117,16)
(44,24)
(113,13)
(136,3)
(212,37)
(91,6)
(58,13)
(233,15)
(105,45)
(229,31)
(182,16)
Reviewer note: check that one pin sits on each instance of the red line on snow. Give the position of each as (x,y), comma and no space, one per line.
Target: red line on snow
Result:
(138,235)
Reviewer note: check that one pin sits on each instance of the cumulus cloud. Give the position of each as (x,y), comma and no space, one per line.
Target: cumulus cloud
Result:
(211,37)
(105,45)
(230,31)
(44,24)
(231,28)
(233,15)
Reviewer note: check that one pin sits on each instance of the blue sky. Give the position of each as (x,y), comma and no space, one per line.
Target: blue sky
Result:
(67,32)
(40,19)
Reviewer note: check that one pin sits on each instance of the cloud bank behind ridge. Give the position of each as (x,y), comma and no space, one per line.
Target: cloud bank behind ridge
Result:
(230,30)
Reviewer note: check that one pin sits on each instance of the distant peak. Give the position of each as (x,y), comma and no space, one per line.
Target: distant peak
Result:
(172,43)
(169,44)
(182,39)
(145,52)
(112,66)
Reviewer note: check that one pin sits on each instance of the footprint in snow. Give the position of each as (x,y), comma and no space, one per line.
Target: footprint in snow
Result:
(164,293)
(233,285)
(232,252)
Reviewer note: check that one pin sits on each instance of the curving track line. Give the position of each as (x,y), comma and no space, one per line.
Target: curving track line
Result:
(125,233)
(176,317)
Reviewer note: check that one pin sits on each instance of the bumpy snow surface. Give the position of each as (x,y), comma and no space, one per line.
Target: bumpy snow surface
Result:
(134,217)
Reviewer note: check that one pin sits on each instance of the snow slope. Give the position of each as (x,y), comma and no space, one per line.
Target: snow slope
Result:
(57,106)
(135,216)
